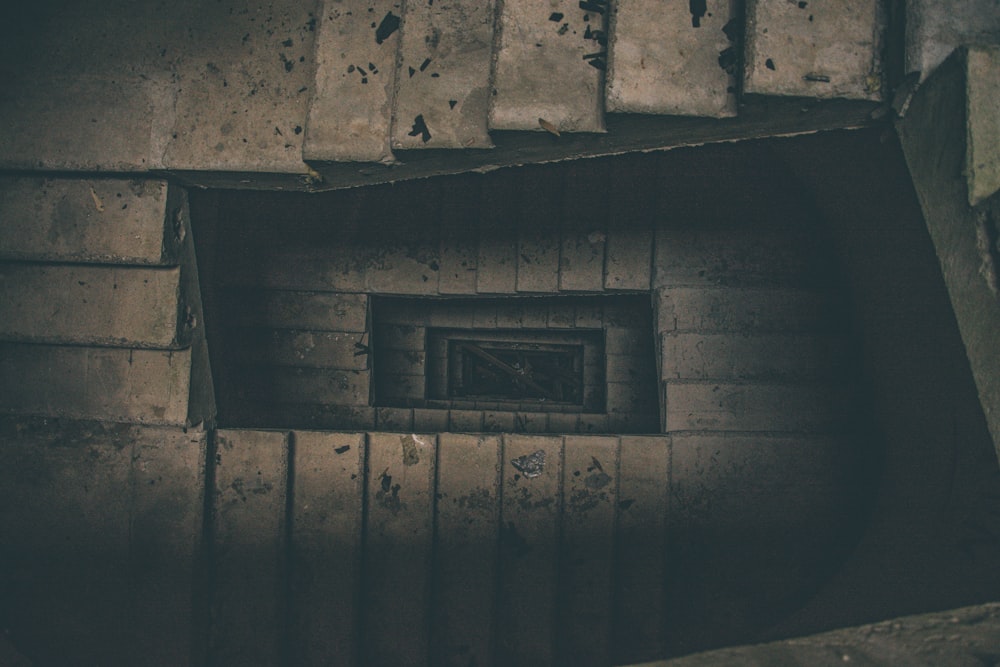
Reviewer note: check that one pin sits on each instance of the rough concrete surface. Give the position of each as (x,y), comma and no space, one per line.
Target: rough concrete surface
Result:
(934,29)
(932,135)
(350,111)
(814,49)
(982,138)
(113,384)
(150,85)
(121,306)
(443,80)
(88,220)
(549,64)
(664,58)
(966,636)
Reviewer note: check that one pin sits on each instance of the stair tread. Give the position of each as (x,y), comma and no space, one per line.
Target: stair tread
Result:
(810,49)
(664,59)
(443,94)
(548,73)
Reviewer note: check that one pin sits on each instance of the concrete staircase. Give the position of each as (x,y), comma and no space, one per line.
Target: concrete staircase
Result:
(424,75)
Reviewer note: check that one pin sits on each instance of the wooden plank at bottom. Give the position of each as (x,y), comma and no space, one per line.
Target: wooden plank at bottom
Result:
(590,494)
(643,492)
(326,547)
(467,527)
(248,605)
(398,548)
(529,549)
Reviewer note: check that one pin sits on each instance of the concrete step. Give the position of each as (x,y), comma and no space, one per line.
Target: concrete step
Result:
(110,384)
(549,64)
(749,310)
(350,115)
(673,58)
(785,407)
(694,356)
(90,305)
(982,154)
(443,93)
(814,49)
(111,221)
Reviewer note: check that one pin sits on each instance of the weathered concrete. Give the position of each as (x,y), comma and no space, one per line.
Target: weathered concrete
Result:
(691,356)
(197,87)
(326,536)
(965,636)
(89,220)
(814,49)
(644,502)
(665,58)
(119,306)
(467,524)
(249,547)
(318,311)
(243,86)
(443,79)
(806,408)
(113,384)
(399,542)
(350,112)
(529,548)
(932,135)
(982,137)
(549,66)
(934,29)
(753,310)
(587,536)
(102,528)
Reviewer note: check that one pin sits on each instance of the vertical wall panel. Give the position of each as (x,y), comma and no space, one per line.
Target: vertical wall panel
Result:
(248,607)
(467,525)
(398,549)
(532,473)
(643,494)
(590,481)
(328,478)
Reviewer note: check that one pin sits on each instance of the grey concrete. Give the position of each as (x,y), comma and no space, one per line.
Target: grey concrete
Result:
(814,49)
(119,306)
(660,61)
(89,220)
(934,29)
(965,636)
(444,75)
(933,134)
(325,545)
(102,526)
(142,86)
(351,109)
(982,138)
(112,384)
(249,542)
(543,79)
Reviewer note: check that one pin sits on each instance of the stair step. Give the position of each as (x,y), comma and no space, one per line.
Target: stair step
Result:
(982,155)
(663,58)
(443,93)
(349,116)
(814,49)
(108,221)
(549,66)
